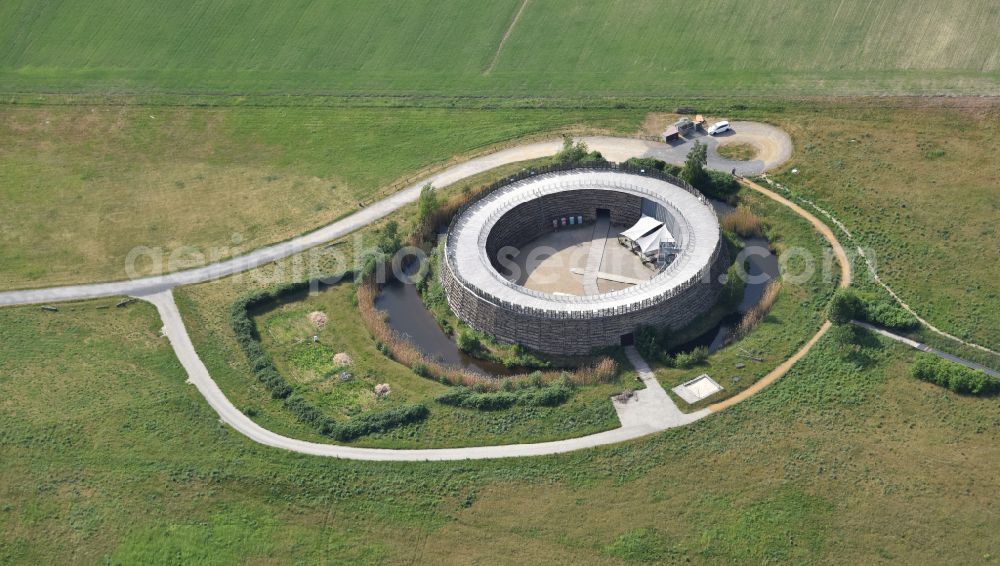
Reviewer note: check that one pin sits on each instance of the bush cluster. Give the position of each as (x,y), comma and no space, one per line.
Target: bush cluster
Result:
(847,305)
(578,154)
(544,396)
(246,335)
(955,377)
(888,314)
(714,184)
(380,421)
(653,163)
(695,357)
(720,185)
(266,372)
(653,343)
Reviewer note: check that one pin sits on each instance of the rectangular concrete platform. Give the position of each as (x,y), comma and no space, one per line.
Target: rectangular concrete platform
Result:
(697,389)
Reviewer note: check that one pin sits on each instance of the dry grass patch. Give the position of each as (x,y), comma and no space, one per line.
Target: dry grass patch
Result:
(744,222)
(738,151)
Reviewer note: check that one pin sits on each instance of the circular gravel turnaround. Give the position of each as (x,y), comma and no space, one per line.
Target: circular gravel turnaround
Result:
(518,213)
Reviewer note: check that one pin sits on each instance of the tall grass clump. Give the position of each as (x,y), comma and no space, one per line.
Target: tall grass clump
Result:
(753,317)
(744,222)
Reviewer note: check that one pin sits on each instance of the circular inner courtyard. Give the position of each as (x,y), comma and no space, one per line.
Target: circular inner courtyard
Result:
(570,261)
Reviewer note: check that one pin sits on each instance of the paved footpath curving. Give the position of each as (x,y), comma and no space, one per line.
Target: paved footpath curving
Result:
(614,149)
(650,410)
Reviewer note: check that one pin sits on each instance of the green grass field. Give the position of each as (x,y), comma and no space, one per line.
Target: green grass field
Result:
(108,455)
(558,48)
(920,189)
(83,185)
(183,123)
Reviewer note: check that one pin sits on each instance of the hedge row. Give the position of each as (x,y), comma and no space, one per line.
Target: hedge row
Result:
(549,396)
(955,377)
(381,421)
(265,371)
(847,305)
(246,334)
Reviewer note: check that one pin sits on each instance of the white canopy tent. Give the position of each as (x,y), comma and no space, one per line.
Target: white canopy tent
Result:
(643,227)
(650,243)
(649,238)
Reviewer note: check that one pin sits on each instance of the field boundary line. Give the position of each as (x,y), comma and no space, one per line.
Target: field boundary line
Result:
(506,35)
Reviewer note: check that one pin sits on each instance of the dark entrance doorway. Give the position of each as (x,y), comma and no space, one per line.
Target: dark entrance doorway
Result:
(603,213)
(628,339)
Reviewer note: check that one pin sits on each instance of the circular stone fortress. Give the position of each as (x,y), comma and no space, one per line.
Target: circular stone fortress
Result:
(574,260)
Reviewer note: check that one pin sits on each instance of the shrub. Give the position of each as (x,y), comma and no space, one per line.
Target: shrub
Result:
(845,307)
(468,341)
(693,358)
(653,343)
(651,163)
(955,377)
(532,395)
(421,369)
(550,396)
(888,314)
(381,421)
(720,185)
(307,413)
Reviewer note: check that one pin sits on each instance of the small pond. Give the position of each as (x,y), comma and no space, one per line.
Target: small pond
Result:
(409,318)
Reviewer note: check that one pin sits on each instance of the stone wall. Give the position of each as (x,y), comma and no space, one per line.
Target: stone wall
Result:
(579,336)
(528,221)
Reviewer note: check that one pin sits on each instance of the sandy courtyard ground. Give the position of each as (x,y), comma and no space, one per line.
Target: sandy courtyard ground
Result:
(555,262)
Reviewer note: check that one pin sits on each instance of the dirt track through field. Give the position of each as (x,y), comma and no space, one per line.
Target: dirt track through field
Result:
(845,281)
(506,35)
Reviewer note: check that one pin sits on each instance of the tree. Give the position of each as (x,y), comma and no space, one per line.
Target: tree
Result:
(469,342)
(389,240)
(845,307)
(694,166)
(428,204)
(578,153)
